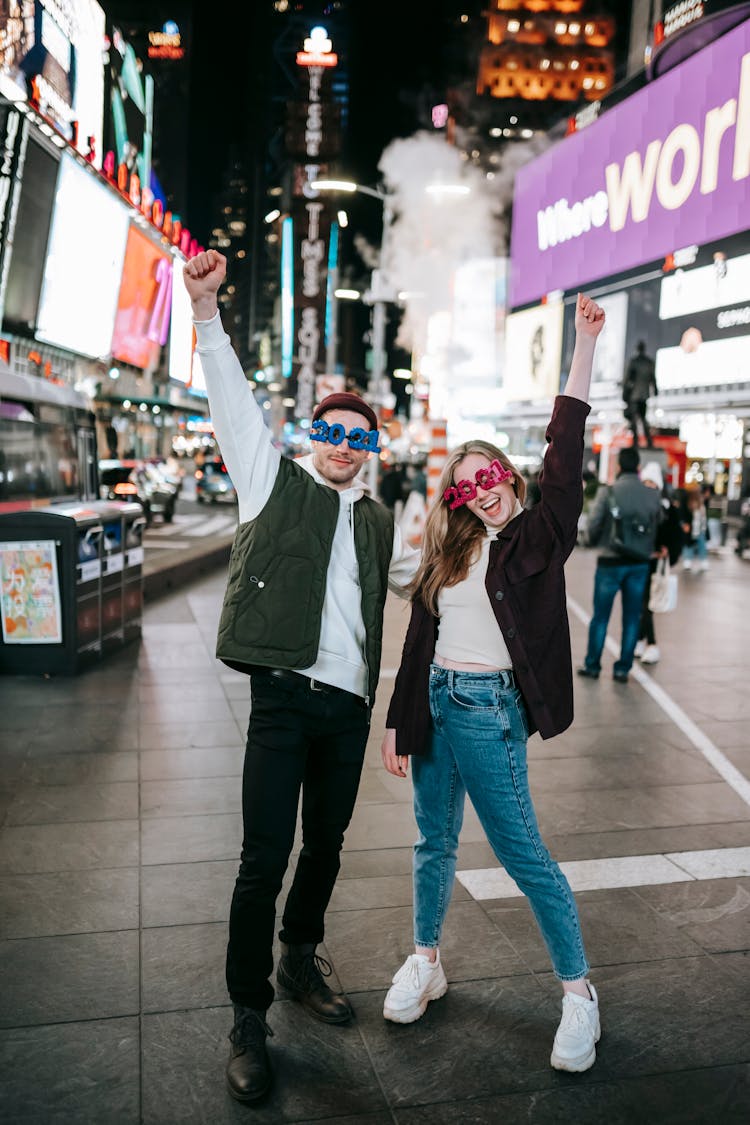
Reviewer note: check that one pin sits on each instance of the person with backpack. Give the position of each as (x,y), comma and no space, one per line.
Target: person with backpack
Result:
(623,522)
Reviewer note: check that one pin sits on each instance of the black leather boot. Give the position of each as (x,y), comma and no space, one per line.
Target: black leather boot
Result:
(249,1073)
(301,972)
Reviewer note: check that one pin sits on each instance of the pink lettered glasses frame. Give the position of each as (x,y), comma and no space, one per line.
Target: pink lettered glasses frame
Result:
(459,494)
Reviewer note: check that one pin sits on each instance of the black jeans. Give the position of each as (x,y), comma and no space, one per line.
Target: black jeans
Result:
(297,739)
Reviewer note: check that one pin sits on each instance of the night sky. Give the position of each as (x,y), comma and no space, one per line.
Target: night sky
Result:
(394,48)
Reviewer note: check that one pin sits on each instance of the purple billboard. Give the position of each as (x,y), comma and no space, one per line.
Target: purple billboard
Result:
(668,168)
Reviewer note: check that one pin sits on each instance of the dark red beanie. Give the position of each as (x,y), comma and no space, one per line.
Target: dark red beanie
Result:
(343,400)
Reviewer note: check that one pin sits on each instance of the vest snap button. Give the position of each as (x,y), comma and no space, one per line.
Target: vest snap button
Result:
(261,585)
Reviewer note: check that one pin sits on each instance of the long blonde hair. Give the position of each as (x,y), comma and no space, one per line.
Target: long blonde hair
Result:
(452,535)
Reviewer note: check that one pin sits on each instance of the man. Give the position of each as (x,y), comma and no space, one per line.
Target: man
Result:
(637,386)
(311,564)
(624,520)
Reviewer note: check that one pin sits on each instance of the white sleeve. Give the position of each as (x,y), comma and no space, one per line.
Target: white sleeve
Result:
(404,563)
(243,437)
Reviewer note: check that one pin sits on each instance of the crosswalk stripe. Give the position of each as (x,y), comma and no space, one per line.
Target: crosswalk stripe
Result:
(212,526)
(620,871)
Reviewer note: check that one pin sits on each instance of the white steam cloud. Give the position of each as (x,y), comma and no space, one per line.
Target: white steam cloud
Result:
(432,234)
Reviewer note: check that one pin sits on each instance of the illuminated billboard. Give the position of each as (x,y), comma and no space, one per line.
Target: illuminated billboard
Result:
(668,168)
(533,350)
(51,51)
(84,263)
(144,303)
(131,107)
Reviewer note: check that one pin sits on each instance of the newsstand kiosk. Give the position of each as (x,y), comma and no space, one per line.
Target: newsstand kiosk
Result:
(71,584)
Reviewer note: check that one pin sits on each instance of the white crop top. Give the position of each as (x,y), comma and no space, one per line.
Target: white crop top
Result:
(468,631)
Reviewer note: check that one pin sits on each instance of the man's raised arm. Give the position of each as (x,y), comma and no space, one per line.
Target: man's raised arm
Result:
(243,437)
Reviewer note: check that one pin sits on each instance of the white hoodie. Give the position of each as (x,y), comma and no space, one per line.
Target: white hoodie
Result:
(253,462)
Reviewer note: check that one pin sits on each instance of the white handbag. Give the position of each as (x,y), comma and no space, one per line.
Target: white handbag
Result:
(663,595)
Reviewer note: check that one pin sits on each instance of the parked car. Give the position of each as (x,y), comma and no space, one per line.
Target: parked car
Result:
(134,480)
(212,482)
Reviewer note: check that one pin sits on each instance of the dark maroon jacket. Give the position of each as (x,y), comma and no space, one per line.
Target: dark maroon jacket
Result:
(526,588)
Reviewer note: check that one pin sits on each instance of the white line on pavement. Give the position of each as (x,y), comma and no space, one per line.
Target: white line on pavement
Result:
(729,772)
(620,871)
(212,526)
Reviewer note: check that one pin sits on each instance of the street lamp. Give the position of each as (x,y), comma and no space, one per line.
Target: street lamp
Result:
(377,295)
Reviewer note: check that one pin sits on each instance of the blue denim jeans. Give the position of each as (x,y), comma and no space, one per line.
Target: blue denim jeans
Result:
(697,549)
(479,747)
(630,579)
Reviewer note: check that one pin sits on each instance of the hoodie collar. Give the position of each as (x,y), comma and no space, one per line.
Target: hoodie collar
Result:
(355,492)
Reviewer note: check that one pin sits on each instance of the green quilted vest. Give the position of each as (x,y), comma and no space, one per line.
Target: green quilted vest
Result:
(273,603)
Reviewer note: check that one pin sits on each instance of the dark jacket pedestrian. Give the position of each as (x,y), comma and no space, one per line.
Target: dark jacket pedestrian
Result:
(623,522)
(668,544)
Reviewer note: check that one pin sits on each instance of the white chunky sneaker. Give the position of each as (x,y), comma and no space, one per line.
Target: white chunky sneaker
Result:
(640,648)
(418,981)
(579,1031)
(651,655)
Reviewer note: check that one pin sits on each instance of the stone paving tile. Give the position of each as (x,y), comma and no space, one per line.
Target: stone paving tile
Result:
(176,894)
(375,863)
(71,1074)
(379,891)
(323,1072)
(53,804)
(190,839)
(99,768)
(714,913)
(68,902)
(692,1008)
(88,737)
(660,806)
(391,825)
(78,977)
(483,1037)
(182,967)
(61,847)
(176,736)
(617,928)
(190,797)
(208,761)
(699,1097)
(471,946)
(646,841)
(657,766)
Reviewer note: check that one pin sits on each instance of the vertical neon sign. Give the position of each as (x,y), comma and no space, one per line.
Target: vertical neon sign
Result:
(333,261)
(287,297)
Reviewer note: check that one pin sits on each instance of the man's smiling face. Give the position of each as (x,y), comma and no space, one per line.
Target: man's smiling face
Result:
(338,464)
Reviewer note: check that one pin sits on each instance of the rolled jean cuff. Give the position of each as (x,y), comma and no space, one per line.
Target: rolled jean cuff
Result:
(573,977)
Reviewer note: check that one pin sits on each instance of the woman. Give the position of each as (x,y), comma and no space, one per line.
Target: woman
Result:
(487,660)
(695,526)
(668,544)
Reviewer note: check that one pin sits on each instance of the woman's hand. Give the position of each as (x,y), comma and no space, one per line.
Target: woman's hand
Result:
(397,764)
(589,317)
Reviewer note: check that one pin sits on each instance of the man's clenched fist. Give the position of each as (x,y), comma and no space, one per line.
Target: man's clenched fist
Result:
(204,275)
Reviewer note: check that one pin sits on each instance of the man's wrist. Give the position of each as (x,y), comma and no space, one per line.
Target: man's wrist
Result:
(204,308)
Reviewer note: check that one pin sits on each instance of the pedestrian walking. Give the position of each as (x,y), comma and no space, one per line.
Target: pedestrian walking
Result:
(695,525)
(638,384)
(311,564)
(623,520)
(667,545)
(486,662)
